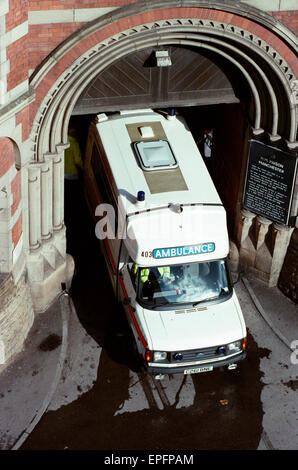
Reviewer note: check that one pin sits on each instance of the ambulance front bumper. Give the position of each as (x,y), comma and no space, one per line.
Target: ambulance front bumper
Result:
(195,367)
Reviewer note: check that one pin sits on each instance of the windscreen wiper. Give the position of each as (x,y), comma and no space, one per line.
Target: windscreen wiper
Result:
(160,304)
(167,302)
(222,292)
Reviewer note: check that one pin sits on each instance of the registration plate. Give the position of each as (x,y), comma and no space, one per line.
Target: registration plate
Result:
(198,370)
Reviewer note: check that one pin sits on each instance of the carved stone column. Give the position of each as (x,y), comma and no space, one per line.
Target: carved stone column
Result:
(247,250)
(262,227)
(46,200)
(5,230)
(34,207)
(263,259)
(48,265)
(58,192)
(282,235)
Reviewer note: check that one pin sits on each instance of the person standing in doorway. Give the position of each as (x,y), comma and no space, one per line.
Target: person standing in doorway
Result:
(205,144)
(208,139)
(73,166)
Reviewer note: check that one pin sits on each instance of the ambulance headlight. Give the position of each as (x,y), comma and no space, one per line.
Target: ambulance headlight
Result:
(159,356)
(234,347)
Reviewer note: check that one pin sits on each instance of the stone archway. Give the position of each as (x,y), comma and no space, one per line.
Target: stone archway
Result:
(252,42)
(78,60)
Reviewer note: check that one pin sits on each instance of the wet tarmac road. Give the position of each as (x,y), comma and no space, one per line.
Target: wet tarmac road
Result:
(126,409)
(95,420)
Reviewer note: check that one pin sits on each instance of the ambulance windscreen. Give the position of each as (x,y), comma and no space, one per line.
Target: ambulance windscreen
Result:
(189,283)
(155,155)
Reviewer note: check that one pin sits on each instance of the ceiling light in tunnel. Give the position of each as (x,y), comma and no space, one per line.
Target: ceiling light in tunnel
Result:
(163,59)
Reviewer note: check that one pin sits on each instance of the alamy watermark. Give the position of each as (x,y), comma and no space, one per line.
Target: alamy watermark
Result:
(294,355)
(2,352)
(152,224)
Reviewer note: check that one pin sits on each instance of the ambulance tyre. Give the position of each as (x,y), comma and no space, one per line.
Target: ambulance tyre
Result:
(121,320)
(136,359)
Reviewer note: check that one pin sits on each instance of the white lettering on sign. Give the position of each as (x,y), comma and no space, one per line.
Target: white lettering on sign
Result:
(173,252)
(2,352)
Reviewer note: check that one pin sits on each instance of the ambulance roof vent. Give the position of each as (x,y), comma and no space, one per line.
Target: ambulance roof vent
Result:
(102,117)
(147,132)
(155,155)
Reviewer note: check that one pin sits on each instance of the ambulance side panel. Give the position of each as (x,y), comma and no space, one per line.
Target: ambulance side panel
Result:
(102,200)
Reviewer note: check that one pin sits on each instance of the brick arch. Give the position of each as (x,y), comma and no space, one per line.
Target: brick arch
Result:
(97,40)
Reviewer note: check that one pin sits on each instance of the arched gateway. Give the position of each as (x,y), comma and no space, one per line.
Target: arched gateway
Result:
(227,53)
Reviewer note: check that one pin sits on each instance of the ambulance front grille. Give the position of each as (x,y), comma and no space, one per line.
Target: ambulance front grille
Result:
(190,310)
(194,355)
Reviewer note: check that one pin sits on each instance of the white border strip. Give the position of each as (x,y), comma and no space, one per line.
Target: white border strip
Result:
(273,5)
(80,15)
(16,33)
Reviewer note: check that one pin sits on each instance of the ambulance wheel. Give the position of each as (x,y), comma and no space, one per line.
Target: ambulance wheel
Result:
(136,359)
(121,321)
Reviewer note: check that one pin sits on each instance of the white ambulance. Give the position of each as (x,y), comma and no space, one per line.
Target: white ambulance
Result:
(165,242)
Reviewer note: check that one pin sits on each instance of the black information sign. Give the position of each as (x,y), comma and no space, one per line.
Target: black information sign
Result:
(269,182)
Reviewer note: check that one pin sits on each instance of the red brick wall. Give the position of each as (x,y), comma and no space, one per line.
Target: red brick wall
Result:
(16,192)
(6,154)
(24,118)
(288,18)
(45,37)
(66,4)
(17,13)
(17,53)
